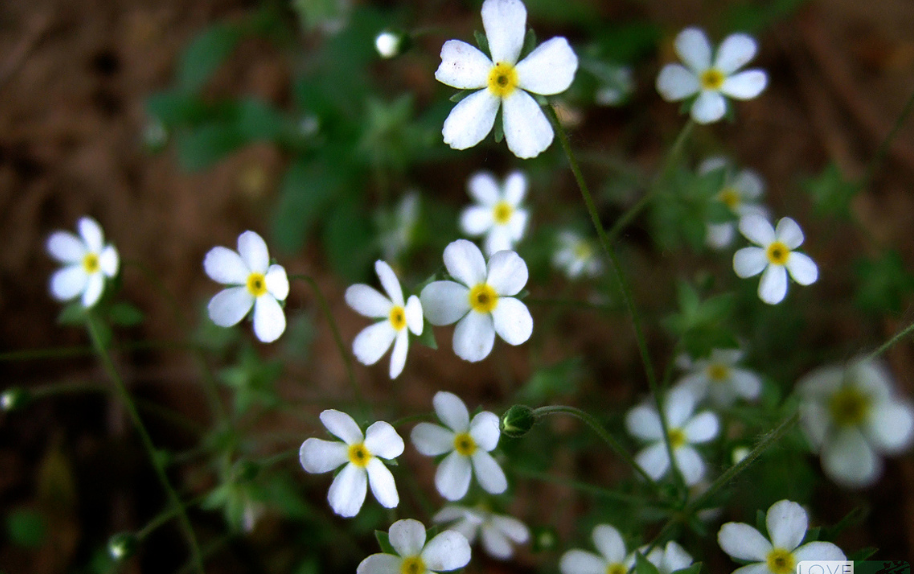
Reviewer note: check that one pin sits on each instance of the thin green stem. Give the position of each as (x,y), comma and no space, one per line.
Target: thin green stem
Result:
(107,363)
(883,148)
(597,491)
(166,516)
(891,342)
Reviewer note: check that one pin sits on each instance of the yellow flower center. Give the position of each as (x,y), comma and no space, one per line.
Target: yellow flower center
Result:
(502,212)
(718,372)
(464,444)
(412,565)
(397,318)
(483,298)
(712,79)
(90,263)
(257,284)
(729,197)
(502,79)
(359,455)
(778,253)
(616,568)
(849,407)
(582,250)
(677,438)
(781,561)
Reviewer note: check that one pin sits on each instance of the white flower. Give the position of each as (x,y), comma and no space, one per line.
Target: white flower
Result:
(711,80)
(469,444)
(497,531)
(87,261)
(611,560)
(481,302)
(253,283)
(670,558)
(397,318)
(740,193)
(720,378)
(786,522)
(684,430)
(852,415)
(775,256)
(361,455)
(499,215)
(447,551)
(576,255)
(504,82)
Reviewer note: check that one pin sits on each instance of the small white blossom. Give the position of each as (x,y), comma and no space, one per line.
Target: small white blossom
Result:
(576,256)
(253,282)
(775,255)
(468,444)
(612,558)
(388,44)
(670,558)
(361,455)
(852,415)
(683,429)
(398,317)
(786,522)
(503,82)
(740,193)
(620,84)
(87,261)
(447,551)
(499,214)
(496,530)
(481,301)
(711,79)
(719,377)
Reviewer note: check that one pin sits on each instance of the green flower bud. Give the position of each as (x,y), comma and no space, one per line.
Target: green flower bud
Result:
(544,538)
(14,398)
(122,546)
(517,421)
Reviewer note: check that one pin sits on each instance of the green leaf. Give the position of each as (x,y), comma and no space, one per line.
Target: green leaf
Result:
(205,54)
(884,285)
(173,108)
(27,528)
(499,129)
(427,337)
(125,314)
(642,566)
(306,191)
(203,146)
(72,314)
(348,239)
(258,120)
(693,569)
(831,193)
(561,378)
(384,542)
(529,44)
(482,41)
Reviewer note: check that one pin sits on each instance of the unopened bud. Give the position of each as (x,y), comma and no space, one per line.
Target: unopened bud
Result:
(390,43)
(544,538)
(517,421)
(14,398)
(122,546)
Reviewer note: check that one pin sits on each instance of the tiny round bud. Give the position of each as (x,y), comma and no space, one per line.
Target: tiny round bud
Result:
(739,453)
(517,421)
(390,43)
(14,398)
(122,546)
(544,538)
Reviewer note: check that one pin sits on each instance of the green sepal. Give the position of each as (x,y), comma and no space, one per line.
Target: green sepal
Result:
(72,314)
(482,41)
(529,44)
(384,542)
(643,566)
(427,338)
(693,569)
(459,96)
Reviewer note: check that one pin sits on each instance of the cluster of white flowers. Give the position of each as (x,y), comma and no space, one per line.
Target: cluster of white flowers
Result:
(497,531)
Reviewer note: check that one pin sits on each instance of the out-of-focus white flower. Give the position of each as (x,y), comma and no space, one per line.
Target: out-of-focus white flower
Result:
(721,379)
(503,82)
(253,282)
(618,86)
(576,256)
(612,558)
(361,455)
(447,551)
(87,261)
(399,227)
(499,214)
(481,302)
(670,558)
(468,444)
(786,522)
(497,531)
(711,79)
(740,193)
(774,255)
(851,415)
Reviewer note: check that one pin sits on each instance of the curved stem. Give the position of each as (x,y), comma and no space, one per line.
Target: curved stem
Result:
(883,148)
(891,342)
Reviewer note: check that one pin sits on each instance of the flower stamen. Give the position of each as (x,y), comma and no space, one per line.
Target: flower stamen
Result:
(718,372)
(712,79)
(729,197)
(777,253)
(257,284)
(397,318)
(503,79)
(412,565)
(677,438)
(90,263)
(502,212)
(464,444)
(781,561)
(483,299)
(849,407)
(359,455)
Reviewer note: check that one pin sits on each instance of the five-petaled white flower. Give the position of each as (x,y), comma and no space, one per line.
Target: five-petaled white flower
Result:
(576,255)
(447,551)
(786,522)
(852,415)
(397,318)
(612,558)
(481,302)
(253,283)
(683,431)
(87,261)
(775,256)
(671,558)
(711,79)
(497,530)
(469,444)
(361,455)
(504,82)
(719,377)
(499,215)
(740,193)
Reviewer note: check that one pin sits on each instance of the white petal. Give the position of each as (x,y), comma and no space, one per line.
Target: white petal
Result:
(498,239)
(269,319)
(678,407)
(819,551)
(694,49)
(367,301)
(380,564)
(108,261)
(743,542)
(277,282)
(756,568)
(734,52)
(474,337)
(432,440)
(802,268)
(676,83)
(505,22)
(347,492)
(654,460)
(512,320)
(398,356)
(515,187)
(749,261)
(489,475)
(757,230)
(381,439)
(720,235)
(674,558)
(526,128)
(342,425)
(483,188)
(407,537)
(69,282)
(94,288)
(230,305)
(511,527)
(580,562)
(849,460)
(91,233)
(495,543)
(373,341)
(549,69)
(382,484)
(253,251)
(414,319)
(465,263)
(447,551)
(471,120)
(747,384)
(390,282)
(749,184)
(476,220)
(787,522)
(816,422)
(702,428)
(452,478)
(609,542)
(318,456)
(773,285)
(789,233)
(643,422)
(745,85)
(484,429)
(225,266)
(452,411)
(463,66)
(690,464)
(66,247)
(891,426)
(507,273)
(708,107)
(517,224)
